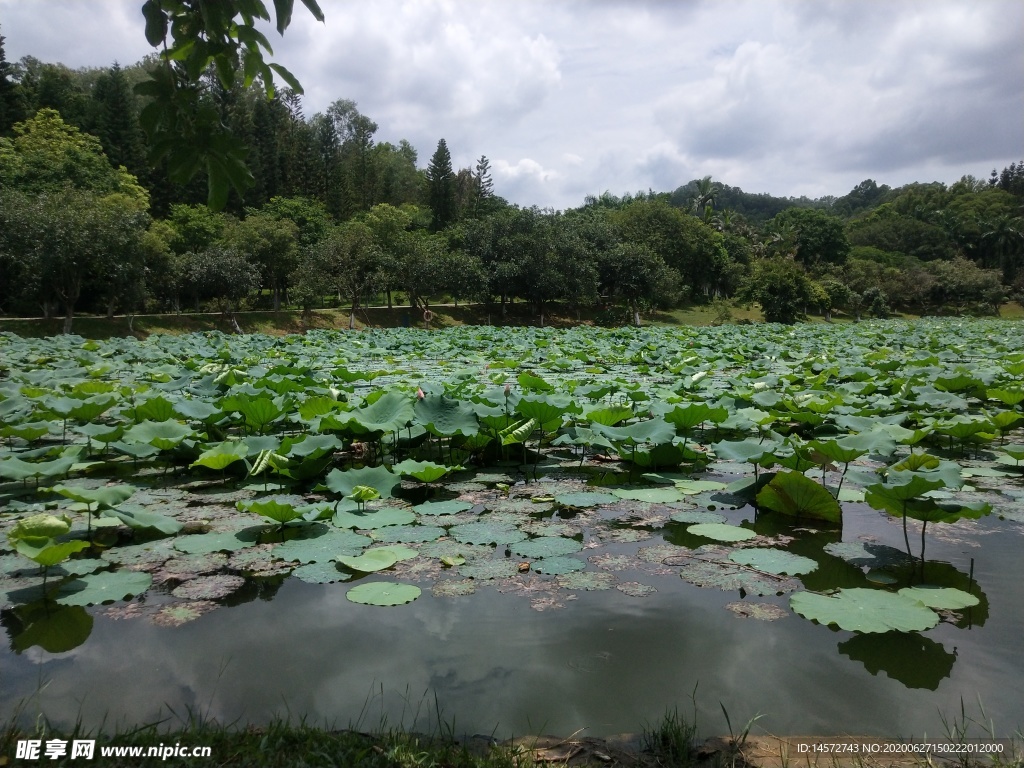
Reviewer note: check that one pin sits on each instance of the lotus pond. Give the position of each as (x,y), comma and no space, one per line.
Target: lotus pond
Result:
(519,530)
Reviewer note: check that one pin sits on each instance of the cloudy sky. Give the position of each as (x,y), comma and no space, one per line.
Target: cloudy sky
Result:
(574,97)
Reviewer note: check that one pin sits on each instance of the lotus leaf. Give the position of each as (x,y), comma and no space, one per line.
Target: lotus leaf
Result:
(865,610)
(321,573)
(271,509)
(322,547)
(721,532)
(488,569)
(449,507)
(696,516)
(209,587)
(651,495)
(424,471)
(485,532)
(760,611)
(163,435)
(793,493)
(51,552)
(442,416)
(39,528)
(383,593)
(775,561)
(868,554)
(54,629)
(107,496)
(589,581)
(409,534)
(635,589)
(222,455)
(941,598)
(379,518)
(370,561)
(454,588)
(137,517)
(14,468)
(214,542)
(712,571)
(344,483)
(546,546)
(585,499)
(103,587)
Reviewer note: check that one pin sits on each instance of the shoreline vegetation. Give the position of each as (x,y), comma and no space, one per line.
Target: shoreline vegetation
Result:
(443,316)
(672,743)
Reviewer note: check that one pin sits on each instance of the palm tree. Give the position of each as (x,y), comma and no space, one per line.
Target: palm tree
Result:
(704,195)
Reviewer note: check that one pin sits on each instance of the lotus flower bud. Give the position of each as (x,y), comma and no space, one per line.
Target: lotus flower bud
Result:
(420,394)
(508,390)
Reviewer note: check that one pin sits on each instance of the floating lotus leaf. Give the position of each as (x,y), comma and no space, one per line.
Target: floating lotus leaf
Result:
(449,507)
(941,598)
(79,567)
(321,573)
(191,566)
(589,581)
(409,534)
(697,516)
(215,542)
(868,554)
(557,566)
(652,495)
(379,518)
(454,588)
(773,560)
(318,549)
(660,552)
(103,587)
(546,546)
(209,587)
(585,499)
(635,589)
(760,611)
(449,548)
(182,613)
(150,554)
(370,561)
(865,610)
(485,532)
(795,494)
(880,577)
(488,569)
(383,593)
(721,532)
(730,577)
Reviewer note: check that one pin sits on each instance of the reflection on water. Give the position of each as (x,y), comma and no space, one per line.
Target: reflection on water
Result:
(606,663)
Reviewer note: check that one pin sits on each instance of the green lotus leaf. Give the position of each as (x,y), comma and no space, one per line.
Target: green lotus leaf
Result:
(721,532)
(941,598)
(489,569)
(424,471)
(383,593)
(696,516)
(400,552)
(213,587)
(222,455)
(363,493)
(200,543)
(536,383)
(321,548)
(584,499)
(865,610)
(51,552)
(650,431)
(321,573)
(138,517)
(690,415)
(163,435)
(392,412)
(198,410)
(106,497)
(344,482)
(380,518)
(154,409)
(449,507)
(29,431)
(370,561)
(546,546)
(773,560)
(409,534)
(651,495)
(589,581)
(14,468)
(40,527)
(609,416)
(795,494)
(443,416)
(750,451)
(867,554)
(485,532)
(272,509)
(103,587)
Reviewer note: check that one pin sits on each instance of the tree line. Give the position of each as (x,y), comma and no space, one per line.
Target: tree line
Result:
(89,222)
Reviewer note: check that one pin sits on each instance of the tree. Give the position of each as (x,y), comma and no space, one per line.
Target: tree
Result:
(183,128)
(703,196)
(271,245)
(782,289)
(346,263)
(221,275)
(441,188)
(46,155)
(117,124)
(817,237)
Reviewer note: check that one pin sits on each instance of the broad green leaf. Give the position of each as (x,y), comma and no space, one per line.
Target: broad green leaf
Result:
(940,598)
(50,553)
(795,494)
(370,561)
(865,610)
(104,587)
(383,593)
(721,532)
(772,560)
(222,455)
(424,471)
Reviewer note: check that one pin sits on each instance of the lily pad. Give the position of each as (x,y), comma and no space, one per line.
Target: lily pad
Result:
(449,507)
(723,574)
(380,518)
(370,561)
(635,589)
(488,569)
(760,611)
(589,581)
(773,560)
(103,587)
(585,499)
(318,549)
(721,532)
(865,610)
(487,533)
(209,587)
(215,542)
(546,546)
(409,534)
(181,613)
(868,554)
(659,495)
(326,572)
(383,593)
(941,598)
(454,588)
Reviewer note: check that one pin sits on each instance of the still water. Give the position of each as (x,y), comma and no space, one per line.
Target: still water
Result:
(603,663)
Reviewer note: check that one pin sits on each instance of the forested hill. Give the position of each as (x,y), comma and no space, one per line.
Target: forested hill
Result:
(94,218)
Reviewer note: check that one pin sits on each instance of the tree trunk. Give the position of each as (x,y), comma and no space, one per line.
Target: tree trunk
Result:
(111,306)
(352,314)
(277,299)
(69,316)
(388,292)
